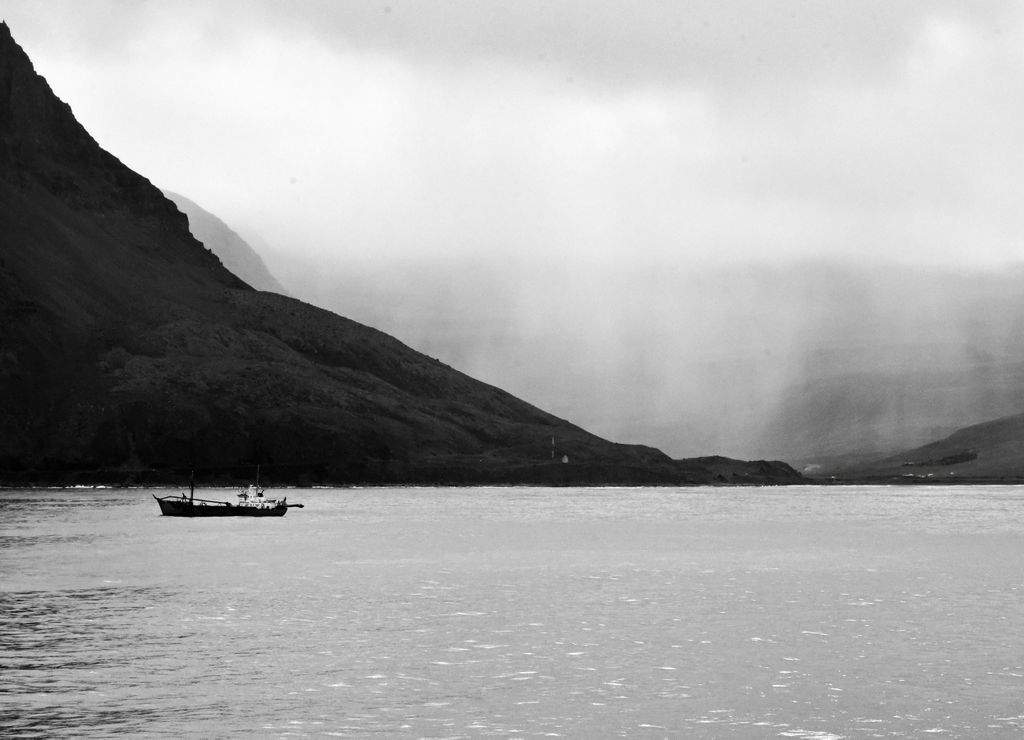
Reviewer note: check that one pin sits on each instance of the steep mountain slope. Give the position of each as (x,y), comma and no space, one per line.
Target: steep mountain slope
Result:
(128,348)
(232,250)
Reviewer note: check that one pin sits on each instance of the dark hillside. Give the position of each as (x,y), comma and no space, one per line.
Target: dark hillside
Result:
(129,353)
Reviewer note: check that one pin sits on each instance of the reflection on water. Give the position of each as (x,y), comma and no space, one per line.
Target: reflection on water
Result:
(518,612)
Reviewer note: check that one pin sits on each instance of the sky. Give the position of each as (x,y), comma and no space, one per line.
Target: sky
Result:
(586,171)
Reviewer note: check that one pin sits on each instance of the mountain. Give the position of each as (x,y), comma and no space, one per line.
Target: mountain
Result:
(232,250)
(990,451)
(130,353)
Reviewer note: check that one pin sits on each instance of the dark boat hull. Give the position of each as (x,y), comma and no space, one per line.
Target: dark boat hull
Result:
(174,506)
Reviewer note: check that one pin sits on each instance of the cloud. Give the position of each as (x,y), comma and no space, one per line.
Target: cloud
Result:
(708,42)
(699,130)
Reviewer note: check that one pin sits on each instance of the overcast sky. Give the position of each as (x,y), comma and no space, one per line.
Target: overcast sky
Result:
(593,159)
(666,130)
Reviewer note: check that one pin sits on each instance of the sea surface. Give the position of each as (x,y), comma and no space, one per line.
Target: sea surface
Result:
(840,612)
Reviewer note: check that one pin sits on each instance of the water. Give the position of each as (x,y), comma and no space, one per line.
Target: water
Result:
(521,612)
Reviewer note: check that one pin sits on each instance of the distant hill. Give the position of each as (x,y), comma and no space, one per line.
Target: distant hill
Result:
(234,252)
(131,354)
(992,450)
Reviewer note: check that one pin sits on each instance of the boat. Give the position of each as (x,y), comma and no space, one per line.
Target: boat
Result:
(251,502)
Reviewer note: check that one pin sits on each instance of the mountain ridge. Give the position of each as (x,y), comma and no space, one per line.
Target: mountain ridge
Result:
(234,252)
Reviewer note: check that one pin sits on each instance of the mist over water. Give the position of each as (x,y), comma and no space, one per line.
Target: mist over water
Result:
(757,359)
(707,613)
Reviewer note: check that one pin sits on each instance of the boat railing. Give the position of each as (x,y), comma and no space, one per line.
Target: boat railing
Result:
(185,499)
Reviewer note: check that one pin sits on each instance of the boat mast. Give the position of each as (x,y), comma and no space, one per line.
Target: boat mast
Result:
(191,487)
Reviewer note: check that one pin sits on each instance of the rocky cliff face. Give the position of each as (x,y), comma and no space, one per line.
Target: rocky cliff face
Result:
(129,352)
(42,144)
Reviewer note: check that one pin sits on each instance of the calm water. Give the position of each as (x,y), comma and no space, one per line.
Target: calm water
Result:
(778,612)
